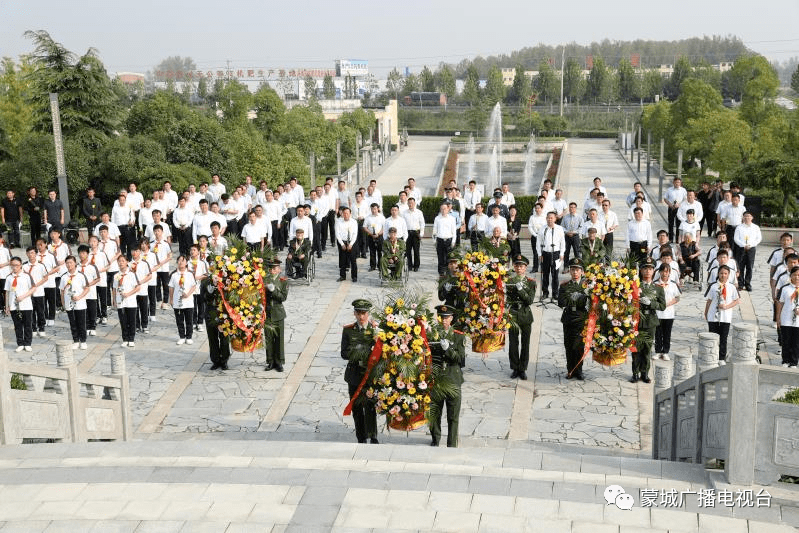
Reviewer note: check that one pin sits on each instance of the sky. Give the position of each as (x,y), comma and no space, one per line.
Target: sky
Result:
(136,36)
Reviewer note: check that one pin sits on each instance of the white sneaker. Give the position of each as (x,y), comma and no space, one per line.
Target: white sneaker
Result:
(104,321)
(146,330)
(665,357)
(200,327)
(124,343)
(792,366)
(189,341)
(51,322)
(93,332)
(784,365)
(42,334)
(83,346)
(28,349)
(153,318)
(75,345)
(131,345)
(722,362)
(20,348)
(181,341)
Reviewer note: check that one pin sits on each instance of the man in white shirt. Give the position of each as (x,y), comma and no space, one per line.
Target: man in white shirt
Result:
(201,224)
(359,210)
(639,236)
(158,203)
(610,222)
(747,237)
(373,195)
(216,188)
(414,222)
(297,193)
(551,244)
(182,218)
(396,221)
(497,221)
(171,199)
(732,216)
(303,222)
(346,233)
(249,188)
(593,222)
(414,192)
(559,205)
(471,197)
(691,203)
(193,201)
(373,226)
(113,229)
(122,215)
(507,197)
(674,198)
(444,228)
(477,226)
(230,211)
(597,186)
(342,197)
(135,200)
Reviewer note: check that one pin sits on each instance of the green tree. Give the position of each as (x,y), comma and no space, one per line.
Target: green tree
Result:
(86,98)
(235,101)
(760,84)
(477,116)
(410,84)
(309,85)
(202,88)
(697,99)
(427,80)
(657,119)
(123,159)
(199,139)
(495,87)
(521,89)
(155,114)
(445,81)
(359,120)
(573,82)
(682,71)
(471,86)
(328,87)
(629,82)
(174,67)
(394,83)
(546,83)
(719,138)
(16,110)
(652,85)
(597,84)
(269,110)
(795,79)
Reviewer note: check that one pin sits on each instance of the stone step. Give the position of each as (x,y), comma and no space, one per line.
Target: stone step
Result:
(167,485)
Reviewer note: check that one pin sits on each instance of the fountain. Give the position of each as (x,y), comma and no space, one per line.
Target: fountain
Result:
(494,137)
(529,160)
(472,164)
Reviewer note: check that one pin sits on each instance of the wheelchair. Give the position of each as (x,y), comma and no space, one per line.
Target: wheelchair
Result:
(392,268)
(310,272)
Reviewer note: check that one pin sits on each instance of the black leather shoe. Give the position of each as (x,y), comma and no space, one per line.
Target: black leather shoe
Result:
(634,379)
(371,269)
(341,279)
(216,366)
(523,376)
(278,367)
(645,378)
(373,440)
(224,366)
(269,366)
(514,374)
(355,280)
(580,376)
(570,376)
(434,444)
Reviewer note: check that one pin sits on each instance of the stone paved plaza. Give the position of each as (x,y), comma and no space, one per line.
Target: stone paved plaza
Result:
(207,421)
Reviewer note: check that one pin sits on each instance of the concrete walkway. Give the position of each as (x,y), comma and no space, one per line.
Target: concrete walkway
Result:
(423,159)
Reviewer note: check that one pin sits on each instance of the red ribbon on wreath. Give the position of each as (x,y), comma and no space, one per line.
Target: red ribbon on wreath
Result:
(636,313)
(236,317)
(590,329)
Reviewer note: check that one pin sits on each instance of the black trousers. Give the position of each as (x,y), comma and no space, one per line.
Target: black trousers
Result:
(151,298)
(574,345)
(127,240)
(347,259)
(723,331)
(790,344)
(548,266)
(183,318)
(364,415)
(50,302)
(746,264)
(331,227)
(142,312)
(515,247)
(375,250)
(360,242)
(443,247)
(91,313)
(638,250)
(663,335)
(13,233)
(572,244)
(36,227)
(77,324)
(275,235)
(183,237)
(102,301)
(218,345)
(730,231)
(199,308)
(674,225)
(23,327)
(162,286)
(519,337)
(533,242)
(412,249)
(127,321)
(109,279)
(608,241)
(39,317)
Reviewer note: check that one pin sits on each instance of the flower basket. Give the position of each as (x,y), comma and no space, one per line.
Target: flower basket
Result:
(488,342)
(407,423)
(610,357)
(240,344)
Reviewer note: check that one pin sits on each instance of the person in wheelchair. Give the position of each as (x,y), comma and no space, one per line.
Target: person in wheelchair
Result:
(392,261)
(299,255)
(497,246)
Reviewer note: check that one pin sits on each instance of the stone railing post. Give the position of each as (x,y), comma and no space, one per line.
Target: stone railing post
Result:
(118,371)
(66,361)
(708,352)
(6,416)
(684,367)
(743,378)
(663,374)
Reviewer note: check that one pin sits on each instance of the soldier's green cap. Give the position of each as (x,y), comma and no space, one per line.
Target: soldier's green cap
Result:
(520,260)
(299,230)
(445,310)
(592,229)
(274,262)
(575,263)
(361,304)
(646,263)
(453,256)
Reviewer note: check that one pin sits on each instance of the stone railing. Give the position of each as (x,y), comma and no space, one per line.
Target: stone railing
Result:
(60,404)
(727,412)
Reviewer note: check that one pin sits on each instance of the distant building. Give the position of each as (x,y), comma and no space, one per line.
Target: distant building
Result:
(130,78)
(425,98)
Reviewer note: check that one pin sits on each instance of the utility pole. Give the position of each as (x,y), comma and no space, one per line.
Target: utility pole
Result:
(338,157)
(562,59)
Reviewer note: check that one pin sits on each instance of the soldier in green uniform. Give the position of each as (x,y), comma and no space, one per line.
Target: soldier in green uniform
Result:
(651,299)
(359,337)
(520,291)
(448,291)
(592,250)
(277,290)
(298,256)
(218,345)
(449,356)
(574,302)
(393,258)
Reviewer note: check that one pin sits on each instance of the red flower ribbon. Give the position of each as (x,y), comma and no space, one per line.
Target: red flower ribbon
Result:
(236,317)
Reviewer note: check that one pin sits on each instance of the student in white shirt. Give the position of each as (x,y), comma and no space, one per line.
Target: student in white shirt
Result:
(93,276)
(199,269)
(123,216)
(216,242)
(126,287)
(144,274)
(158,219)
(747,237)
(145,216)
(788,320)
(50,286)
(666,317)
(720,298)
(253,234)
(38,273)
(182,286)
(74,289)
(19,289)
(163,254)
(99,259)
